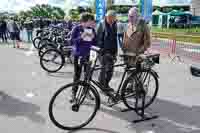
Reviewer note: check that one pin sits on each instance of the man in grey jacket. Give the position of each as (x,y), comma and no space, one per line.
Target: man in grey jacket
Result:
(107,41)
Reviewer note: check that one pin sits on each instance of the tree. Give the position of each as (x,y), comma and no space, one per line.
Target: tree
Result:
(74,14)
(92,5)
(43,10)
(109,4)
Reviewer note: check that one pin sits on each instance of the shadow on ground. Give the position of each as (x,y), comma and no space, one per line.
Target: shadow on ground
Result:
(64,75)
(173,118)
(13,107)
(92,130)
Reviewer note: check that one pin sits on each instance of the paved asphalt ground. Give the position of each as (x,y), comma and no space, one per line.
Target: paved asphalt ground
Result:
(26,90)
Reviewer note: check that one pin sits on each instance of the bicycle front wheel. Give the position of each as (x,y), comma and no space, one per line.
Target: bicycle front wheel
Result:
(52,60)
(144,81)
(74,115)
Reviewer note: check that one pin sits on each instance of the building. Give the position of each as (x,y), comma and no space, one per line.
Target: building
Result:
(195,7)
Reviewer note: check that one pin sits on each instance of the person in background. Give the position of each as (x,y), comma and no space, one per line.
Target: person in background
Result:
(29,28)
(83,37)
(14,31)
(3,28)
(41,23)
(1,31)
(107,41)
(120,32)
(137,37)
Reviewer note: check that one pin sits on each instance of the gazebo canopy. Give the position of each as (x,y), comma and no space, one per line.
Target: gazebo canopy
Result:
(156,12)
(178,13)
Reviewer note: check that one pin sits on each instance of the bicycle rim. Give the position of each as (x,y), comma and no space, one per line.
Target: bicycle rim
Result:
(148,82)
(61,109)
(52,60)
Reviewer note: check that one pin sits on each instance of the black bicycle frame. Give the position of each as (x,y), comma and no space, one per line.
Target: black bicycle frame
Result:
(96,83)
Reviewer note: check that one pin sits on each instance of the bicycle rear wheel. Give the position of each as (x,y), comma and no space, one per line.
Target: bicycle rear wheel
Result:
(46,47)
(73,116)
(43,42)
(148,82)
(52,60)
(36,42)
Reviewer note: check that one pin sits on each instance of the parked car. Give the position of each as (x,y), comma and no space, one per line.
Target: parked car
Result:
(180,22)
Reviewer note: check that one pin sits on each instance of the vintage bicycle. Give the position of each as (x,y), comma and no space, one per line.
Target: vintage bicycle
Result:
(133,91)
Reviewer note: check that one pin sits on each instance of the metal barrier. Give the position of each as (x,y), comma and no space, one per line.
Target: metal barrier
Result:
(170,45)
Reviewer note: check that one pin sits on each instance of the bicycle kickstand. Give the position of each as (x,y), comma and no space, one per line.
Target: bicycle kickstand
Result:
(141,112)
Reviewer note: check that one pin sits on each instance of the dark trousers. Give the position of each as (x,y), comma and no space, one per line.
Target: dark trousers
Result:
(107,61)
(3,36)
(79,65)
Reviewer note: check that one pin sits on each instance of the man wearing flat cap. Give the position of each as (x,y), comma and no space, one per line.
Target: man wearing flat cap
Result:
(107,41)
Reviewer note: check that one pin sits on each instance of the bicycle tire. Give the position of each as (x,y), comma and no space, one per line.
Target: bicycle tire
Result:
(43,41)
(123,91)
(64,127)
(34,42)
(48,51)
(47,46)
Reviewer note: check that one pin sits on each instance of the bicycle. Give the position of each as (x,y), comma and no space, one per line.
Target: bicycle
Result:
(87,91)
(59,42)
(53,59)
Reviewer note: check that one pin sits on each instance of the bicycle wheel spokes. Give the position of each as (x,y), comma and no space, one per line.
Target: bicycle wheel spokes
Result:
(52,60)
(129,92)
(142,84)
(72,115)
(150,86)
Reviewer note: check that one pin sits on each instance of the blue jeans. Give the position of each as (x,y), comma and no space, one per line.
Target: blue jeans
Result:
(30,35)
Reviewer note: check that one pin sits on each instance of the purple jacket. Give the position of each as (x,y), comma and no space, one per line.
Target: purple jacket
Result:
(81,47)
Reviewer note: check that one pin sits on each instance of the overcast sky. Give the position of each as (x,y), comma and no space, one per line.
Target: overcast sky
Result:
(17,5)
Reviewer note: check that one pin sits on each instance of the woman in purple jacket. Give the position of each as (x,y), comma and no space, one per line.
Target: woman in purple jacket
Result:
(83,37)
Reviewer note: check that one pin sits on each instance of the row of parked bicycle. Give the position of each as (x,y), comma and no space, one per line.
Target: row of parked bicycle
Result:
(55,49)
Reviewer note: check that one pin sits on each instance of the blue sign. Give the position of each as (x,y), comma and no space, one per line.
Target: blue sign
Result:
(100,9)
(146,9)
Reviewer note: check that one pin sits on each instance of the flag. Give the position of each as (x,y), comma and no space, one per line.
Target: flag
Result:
(100,10)
(146,9)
